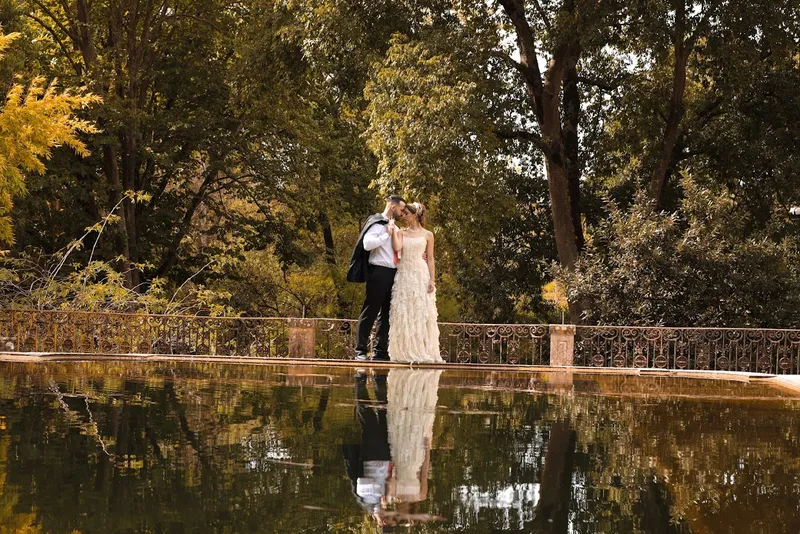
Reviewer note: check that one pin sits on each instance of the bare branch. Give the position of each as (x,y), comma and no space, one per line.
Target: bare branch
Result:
(203,268)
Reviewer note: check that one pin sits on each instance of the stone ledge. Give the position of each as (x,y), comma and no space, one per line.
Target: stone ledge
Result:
(785,381)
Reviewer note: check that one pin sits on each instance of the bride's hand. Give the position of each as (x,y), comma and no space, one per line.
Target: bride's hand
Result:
(431,286)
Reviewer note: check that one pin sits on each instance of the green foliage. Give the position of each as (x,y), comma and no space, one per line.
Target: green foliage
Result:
(42,281)
(263,133)
(698,266)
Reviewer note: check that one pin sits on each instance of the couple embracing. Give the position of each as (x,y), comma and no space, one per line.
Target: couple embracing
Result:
(398,267)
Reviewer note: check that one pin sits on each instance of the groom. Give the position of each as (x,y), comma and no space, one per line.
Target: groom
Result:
(373,262)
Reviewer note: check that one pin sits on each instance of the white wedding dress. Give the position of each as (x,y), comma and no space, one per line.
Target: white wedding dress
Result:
(410,413)
(413,332)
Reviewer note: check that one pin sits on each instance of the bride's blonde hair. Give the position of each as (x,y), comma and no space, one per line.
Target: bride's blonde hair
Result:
(418,209)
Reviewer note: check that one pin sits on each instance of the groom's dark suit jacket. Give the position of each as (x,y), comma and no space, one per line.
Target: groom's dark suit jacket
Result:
(359,262)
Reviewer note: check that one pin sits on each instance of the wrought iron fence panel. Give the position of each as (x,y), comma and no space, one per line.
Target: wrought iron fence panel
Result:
(494,343)
(336,338)
(719,349)
(107,333)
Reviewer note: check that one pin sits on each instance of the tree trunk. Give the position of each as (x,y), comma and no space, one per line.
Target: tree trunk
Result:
(676,106)
(566,228)
(327,235)
(560,146)
(134,274)
(114,191)
(85,43)
(572,109)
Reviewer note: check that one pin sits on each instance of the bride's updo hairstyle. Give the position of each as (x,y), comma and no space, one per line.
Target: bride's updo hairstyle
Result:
(418,209)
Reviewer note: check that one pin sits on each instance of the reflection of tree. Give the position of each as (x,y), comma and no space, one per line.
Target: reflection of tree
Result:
(239,448)
(10,518)
(188,451)
(552,511)
(674,465)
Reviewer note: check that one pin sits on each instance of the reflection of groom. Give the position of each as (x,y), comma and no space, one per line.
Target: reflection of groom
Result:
(369,464)
(373,262)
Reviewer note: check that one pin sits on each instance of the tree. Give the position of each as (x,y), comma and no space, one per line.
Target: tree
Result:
(699,266)
(33,120)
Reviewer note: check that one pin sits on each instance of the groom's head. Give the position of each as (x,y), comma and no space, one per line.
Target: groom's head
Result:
(395,207)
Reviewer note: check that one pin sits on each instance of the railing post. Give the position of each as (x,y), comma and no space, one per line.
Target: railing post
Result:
(562,345)
(302,338)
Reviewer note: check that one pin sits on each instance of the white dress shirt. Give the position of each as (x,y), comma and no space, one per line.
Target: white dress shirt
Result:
(379,244)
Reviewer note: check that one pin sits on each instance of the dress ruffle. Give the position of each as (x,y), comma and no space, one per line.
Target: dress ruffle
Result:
(413,328)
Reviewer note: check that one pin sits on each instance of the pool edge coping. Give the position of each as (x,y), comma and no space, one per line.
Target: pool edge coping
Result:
(789,384)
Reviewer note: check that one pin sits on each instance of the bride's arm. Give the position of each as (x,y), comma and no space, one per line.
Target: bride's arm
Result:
(397,240)
(431,263)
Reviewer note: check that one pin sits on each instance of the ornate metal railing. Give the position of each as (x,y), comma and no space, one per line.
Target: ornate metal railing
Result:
(719,349)
(523,344)
(111,333)
(458,342)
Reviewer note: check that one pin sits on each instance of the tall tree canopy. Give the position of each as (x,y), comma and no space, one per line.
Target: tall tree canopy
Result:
(244,143)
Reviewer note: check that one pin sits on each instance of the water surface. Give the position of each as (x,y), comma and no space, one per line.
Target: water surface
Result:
(157,447)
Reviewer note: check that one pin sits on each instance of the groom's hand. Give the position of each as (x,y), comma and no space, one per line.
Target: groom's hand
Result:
(425,255)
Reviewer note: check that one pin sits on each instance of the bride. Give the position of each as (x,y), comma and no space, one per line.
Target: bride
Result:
(413,332)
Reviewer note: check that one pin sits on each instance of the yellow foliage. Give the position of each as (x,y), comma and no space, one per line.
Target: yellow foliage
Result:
(555,294)
(34,120)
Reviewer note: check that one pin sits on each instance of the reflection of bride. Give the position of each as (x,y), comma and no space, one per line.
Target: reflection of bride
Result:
(411,409)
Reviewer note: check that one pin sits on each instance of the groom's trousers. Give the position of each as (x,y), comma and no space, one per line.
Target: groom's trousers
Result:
(376,305)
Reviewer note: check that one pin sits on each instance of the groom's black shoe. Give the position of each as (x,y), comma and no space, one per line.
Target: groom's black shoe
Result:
(380,358)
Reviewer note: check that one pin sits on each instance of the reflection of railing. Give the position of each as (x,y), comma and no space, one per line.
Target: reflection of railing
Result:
(719,349)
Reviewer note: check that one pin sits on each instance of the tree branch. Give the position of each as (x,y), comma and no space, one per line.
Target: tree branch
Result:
(57,22)
(701,25)
(511,62)
(543,14)
(61,44)
(520,135)
(515,10)
(602,84)
(172,253)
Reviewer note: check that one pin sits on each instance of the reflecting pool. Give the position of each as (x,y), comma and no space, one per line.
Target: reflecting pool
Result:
(193,447)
